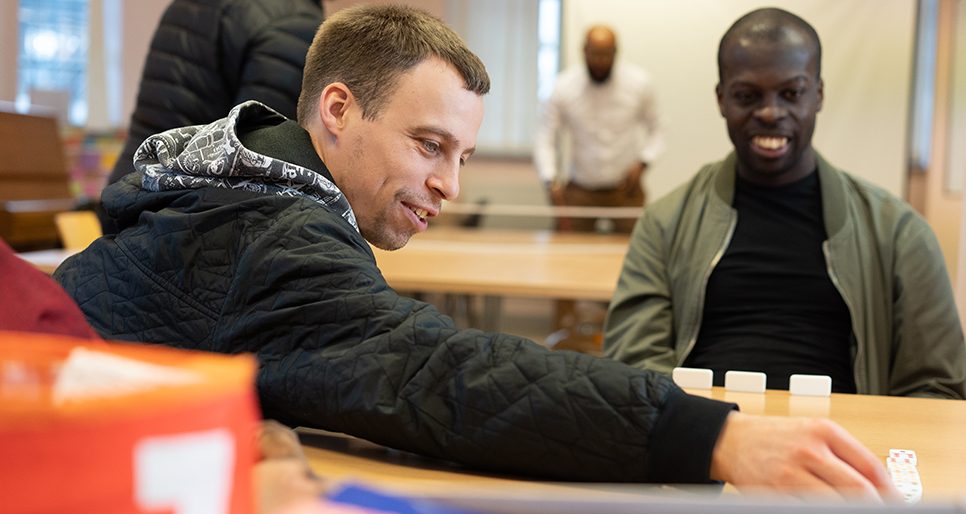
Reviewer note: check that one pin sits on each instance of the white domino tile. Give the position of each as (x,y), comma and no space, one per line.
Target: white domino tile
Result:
(810,385)
(903,456)
(745,381)
(693,378)
(902,466)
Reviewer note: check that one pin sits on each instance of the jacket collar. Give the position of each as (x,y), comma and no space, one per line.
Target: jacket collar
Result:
(830,181)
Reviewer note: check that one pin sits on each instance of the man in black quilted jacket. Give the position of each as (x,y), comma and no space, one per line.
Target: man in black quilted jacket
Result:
(252,234)
(207,56)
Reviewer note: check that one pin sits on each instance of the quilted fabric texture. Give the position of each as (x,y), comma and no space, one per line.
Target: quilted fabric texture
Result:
(208,55)
(290,279)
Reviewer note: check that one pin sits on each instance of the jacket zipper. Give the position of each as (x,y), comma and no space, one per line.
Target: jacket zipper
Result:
(704,288)
(838,287)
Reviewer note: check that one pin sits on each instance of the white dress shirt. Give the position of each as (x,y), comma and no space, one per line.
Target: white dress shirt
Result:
(611,126)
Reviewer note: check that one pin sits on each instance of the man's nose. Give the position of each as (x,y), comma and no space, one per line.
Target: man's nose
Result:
(771,110)
(445,180)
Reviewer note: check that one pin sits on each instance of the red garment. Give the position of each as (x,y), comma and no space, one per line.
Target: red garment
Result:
(31,302)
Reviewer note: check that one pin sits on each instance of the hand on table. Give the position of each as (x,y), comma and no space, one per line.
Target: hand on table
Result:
(797,455)
(283,480)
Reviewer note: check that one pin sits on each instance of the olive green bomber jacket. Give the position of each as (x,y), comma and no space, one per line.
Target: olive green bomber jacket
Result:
(881,255)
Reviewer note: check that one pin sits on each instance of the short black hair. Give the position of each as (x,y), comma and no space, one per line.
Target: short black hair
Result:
(772,25)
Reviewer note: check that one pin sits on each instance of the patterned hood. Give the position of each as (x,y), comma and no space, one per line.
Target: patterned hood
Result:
(212,156)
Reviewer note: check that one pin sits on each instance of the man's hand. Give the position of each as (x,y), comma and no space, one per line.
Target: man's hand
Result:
(797,455)
(632,178)
(282,485)
(277,441)
(284,482)
(556,191)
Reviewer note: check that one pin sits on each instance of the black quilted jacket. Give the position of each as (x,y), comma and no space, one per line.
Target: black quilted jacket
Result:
(209,55)
(290,279)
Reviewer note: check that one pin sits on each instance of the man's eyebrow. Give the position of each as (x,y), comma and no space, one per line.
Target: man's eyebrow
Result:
(797,79)
(445,135)
(794,80)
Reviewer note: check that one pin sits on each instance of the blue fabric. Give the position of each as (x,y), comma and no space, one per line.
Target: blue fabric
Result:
(361,496)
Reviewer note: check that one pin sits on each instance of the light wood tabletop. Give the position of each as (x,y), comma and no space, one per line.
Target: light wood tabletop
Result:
(933,428)
(540,264)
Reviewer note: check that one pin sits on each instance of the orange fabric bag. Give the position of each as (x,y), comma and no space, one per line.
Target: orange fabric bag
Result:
(111,427)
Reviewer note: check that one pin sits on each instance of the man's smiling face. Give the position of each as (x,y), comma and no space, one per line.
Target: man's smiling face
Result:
(769,96)
(401,164)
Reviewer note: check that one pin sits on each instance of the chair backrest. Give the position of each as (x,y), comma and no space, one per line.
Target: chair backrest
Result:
(32,161)
(77,229)
(34,183)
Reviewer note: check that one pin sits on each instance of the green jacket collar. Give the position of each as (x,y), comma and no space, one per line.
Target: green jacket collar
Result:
(830,181)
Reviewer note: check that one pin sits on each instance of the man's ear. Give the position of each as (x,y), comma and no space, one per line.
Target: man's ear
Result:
(821,94)
(334,105)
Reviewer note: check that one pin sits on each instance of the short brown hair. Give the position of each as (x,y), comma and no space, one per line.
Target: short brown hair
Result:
(369,47)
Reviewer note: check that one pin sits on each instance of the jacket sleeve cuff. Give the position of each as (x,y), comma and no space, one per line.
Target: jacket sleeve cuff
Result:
(684,437)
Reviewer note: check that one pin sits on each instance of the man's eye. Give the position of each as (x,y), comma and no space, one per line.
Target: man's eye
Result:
(431,146)
(744,97)
(794,94)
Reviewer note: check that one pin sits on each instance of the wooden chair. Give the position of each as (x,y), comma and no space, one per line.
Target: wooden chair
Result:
(34,183)
(77,229)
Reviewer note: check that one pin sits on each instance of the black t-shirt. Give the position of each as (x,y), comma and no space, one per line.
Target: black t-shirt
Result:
(770,305)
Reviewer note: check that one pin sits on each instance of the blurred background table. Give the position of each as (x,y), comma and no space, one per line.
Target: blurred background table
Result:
(541,264)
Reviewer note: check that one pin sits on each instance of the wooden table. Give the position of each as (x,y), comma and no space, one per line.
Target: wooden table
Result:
(539,264)
(935,429)
(339,460)
(46,260)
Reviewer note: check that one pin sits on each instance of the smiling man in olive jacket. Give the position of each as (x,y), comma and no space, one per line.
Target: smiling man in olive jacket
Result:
(774,261)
